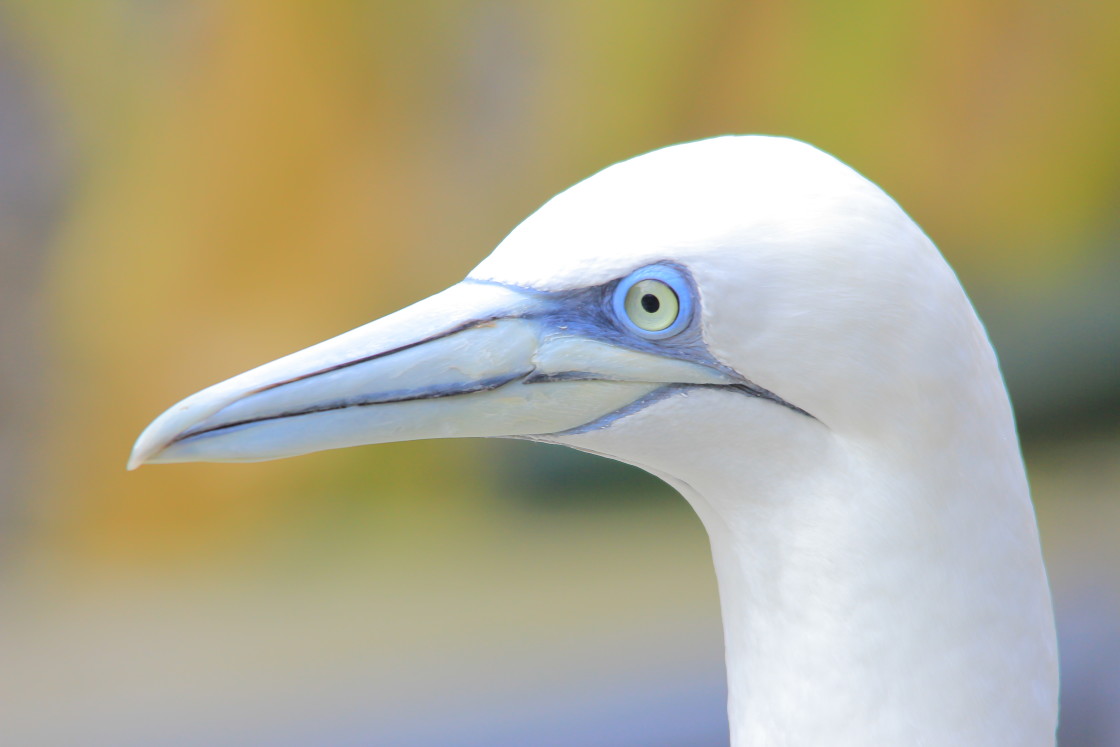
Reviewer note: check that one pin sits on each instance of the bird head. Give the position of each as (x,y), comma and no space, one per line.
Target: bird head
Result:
(738,283)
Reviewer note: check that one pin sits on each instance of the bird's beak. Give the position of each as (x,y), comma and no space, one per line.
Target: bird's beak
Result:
(475,360)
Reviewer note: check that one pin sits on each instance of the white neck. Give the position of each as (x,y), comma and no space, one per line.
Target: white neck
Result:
(869,599)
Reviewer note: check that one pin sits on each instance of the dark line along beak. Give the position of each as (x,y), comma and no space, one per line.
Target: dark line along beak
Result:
(475,360)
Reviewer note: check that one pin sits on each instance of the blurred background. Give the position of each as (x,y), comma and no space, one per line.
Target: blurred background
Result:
(189,189)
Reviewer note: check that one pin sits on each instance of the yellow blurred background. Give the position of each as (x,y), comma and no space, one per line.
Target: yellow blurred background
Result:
(188,189)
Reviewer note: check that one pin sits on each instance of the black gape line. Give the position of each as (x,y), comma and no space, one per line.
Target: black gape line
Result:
(583,312)
(388,398)
(588,311)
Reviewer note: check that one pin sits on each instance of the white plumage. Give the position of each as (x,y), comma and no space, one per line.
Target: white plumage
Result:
(826,400)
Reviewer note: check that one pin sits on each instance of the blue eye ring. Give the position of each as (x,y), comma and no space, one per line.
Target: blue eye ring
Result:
(676,282)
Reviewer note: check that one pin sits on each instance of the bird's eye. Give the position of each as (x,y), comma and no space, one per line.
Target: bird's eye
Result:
(654,301)
(652,305)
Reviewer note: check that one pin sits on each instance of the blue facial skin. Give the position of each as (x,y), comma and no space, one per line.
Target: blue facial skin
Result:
(598,313)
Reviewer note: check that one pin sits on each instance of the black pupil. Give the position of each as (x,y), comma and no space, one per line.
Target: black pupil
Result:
(650,303)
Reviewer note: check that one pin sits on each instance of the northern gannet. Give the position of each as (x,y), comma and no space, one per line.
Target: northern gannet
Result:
(767,331)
